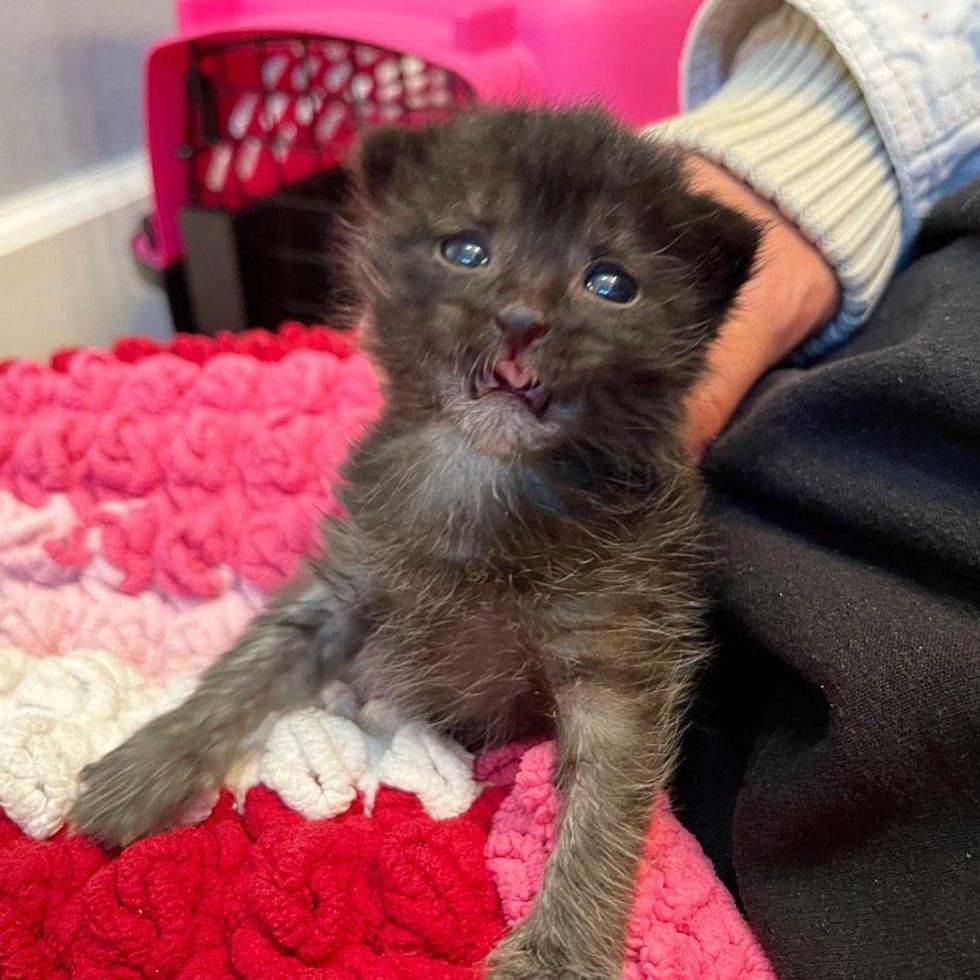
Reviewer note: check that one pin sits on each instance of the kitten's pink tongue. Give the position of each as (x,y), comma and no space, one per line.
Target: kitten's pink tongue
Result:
(513,374)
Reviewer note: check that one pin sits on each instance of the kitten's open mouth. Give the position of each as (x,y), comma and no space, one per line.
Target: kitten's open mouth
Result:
(510,378)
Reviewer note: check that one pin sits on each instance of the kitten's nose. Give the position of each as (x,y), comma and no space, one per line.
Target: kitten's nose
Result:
(521,324)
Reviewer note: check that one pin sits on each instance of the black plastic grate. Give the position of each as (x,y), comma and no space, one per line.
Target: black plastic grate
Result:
(269,120)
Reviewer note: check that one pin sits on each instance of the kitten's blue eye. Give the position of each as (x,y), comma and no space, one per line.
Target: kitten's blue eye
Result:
(468,251)
(610,282)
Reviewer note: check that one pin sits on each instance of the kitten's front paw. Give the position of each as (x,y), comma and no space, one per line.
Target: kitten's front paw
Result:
(511,961)
(138,788)
(522,956)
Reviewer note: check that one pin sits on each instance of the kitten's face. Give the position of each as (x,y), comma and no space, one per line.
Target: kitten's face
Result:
(542,278)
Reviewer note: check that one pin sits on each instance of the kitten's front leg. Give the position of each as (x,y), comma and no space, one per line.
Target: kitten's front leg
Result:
(615,744)
(284,658)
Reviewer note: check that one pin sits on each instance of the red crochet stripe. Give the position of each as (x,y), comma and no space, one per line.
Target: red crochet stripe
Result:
(394,896)
(264,345)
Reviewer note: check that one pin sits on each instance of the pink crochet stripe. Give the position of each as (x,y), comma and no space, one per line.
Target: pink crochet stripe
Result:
(684,924)
(48,608)
(161,637)
(179,464)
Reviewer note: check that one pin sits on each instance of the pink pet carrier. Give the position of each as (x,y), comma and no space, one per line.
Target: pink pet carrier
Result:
(251,105)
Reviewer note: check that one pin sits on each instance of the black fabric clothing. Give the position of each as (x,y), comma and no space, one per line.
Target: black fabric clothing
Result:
(832,769)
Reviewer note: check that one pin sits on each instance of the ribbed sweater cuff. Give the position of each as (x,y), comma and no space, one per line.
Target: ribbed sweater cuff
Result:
(791,122)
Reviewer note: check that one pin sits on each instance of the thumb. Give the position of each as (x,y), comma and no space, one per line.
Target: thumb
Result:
(738,357)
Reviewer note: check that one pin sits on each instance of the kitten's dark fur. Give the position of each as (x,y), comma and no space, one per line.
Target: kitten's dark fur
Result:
(510,557)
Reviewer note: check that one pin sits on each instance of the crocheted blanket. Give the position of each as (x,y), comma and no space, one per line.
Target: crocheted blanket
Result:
(150,497)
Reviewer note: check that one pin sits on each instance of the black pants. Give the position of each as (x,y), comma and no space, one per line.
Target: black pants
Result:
(833,765)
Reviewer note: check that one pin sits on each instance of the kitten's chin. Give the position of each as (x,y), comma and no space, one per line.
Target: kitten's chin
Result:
(501,424)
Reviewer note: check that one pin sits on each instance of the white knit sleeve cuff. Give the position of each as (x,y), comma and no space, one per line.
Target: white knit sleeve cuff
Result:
(791,122)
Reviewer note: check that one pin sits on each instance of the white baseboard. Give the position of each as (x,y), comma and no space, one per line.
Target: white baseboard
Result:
(54,208)
(66,275)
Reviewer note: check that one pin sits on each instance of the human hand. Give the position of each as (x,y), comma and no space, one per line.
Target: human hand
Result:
(792,293)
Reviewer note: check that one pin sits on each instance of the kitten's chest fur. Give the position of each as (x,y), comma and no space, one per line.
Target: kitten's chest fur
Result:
(479,569)
(460,656)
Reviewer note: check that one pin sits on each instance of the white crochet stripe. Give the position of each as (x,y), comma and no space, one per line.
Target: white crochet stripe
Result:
(58,714)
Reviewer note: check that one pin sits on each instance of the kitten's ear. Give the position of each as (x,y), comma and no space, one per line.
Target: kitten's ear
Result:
(383,157)
(721,245)
(383,153)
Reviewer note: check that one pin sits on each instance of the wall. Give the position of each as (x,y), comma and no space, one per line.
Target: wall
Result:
(72,181)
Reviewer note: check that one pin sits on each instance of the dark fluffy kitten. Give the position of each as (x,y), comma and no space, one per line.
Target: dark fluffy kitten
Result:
(523,543)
